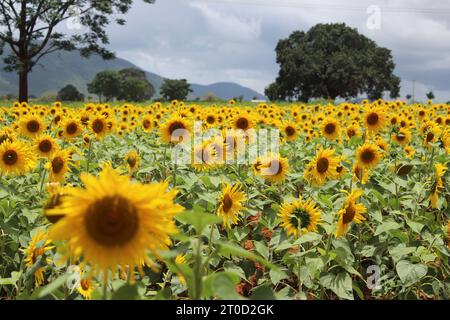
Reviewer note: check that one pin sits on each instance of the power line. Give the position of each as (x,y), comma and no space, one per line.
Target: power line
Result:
(330,6)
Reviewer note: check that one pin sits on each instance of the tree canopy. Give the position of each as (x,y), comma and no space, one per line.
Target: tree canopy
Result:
(175,89)
(330,61)
(127,84)
(30,29)
(70,93)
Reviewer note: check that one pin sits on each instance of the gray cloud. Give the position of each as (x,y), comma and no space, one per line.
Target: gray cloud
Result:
(224,40)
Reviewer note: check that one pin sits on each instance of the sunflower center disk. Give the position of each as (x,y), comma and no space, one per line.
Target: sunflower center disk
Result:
(57,165)
(430,136)
(242,123)
(367,156)
(300,218)
(349,214)
(372,119)
(72,128)
(290,131)
(45,146)
(10,157)
(112,221)
(131,162)
(227,203)
(175,126)
(98,126)
(330,128)
(322,165)
(33,126)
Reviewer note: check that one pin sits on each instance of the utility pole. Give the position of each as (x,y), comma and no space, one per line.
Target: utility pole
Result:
(414,91)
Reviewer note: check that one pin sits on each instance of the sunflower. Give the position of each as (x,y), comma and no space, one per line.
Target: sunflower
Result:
(274,167)
(409,151)
(431,133)
(360,173)
(38,246)
(98,125)
(402,136)
(7,134)
(16,158)
(322,168)
(57,193)
(438,185)
(113,222)
(368,155)
(353,131)
(242,122)
(203,156)
(219,148)
(299,217)
(175,130)
(71,128)
(351,211)
(375,120)
(86,288)
(31,126)
(59,165)
(289,131)
(181,260)
(147,123)
(330,129)
(230,204)
(133,160)
(45,145)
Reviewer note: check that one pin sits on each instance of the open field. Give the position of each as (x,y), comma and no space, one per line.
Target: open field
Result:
(225,201)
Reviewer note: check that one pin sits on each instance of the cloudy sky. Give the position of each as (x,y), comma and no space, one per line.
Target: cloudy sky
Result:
(209,41)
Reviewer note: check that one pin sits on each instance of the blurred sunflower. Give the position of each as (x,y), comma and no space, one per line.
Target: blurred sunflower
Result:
(409,151)
(133,160)
(374,120)
(299,217)
(45,145)
(274,167)
(86,288)
(402,136)
(175,130)
(113,222)
(330,128)
(322,168)
(59,165)
(72,128)
(31,126)
(368,155)
(230,204)
(16,158)
(438,185)
(38,246)
(289,131)
(350,212)
(98,126)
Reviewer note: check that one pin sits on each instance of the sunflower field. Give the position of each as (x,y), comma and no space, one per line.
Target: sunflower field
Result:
(353,201)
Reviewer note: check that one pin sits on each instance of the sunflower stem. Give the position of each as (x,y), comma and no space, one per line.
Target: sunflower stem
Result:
(88,160)
(105,285)
(198,271)
(43,174)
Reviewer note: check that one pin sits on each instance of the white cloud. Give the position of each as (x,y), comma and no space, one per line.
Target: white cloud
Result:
(222,40)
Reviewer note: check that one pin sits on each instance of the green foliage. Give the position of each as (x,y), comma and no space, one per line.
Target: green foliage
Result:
(330,61)
(175,89)
(69,93)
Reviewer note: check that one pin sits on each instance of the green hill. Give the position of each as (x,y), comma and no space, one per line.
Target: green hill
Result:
(61,68)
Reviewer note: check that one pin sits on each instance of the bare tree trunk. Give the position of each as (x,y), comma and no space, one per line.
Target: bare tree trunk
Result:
(23,85)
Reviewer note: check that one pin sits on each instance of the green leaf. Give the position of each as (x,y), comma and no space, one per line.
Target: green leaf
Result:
(229,250)
(276,275)
(262,249)
(52,286)
(198,219)
(410,273)
(263,292)
(387,226)
(127,292)
(340,284)
(221,285)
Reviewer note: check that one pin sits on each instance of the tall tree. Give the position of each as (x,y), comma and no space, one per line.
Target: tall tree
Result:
(175,89)
(330,61)
(30,30)
(430,95)
(134,85)
(70,93)
(106,84)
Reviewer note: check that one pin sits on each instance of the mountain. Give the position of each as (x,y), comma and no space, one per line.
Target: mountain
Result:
(61,68)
